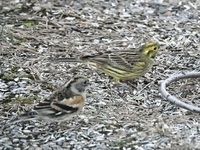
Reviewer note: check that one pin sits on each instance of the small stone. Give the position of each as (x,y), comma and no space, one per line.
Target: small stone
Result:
(37,8)
(16,79)
(60,140)
(22,84)
(12,83)
(20,91)
(1,71)
(3,85)
(15,140)
(22,136)
(7,94)
(2,140)
(174,2)
(1,96)
(26,131)
(91,145)
(100,138)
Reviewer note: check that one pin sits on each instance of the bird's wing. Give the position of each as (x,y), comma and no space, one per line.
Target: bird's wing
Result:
(54,108)
(124,60)
(64,108)
(44,108)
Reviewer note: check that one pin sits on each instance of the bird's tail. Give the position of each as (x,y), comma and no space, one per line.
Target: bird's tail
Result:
(29,115)
(64,59)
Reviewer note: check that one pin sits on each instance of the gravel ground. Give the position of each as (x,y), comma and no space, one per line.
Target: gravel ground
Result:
(132,115)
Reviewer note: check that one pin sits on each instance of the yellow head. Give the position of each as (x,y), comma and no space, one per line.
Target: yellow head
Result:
(150,50)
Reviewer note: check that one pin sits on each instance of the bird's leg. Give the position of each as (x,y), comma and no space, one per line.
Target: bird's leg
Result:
(117,81)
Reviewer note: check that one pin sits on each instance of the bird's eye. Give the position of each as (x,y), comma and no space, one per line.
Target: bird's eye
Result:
(155,48)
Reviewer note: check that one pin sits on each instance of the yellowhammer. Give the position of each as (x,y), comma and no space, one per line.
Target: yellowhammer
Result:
(121,65)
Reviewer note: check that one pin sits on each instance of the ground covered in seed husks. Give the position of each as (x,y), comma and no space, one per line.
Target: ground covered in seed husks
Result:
(131,115)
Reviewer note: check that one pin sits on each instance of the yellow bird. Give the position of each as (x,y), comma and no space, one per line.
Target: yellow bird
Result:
(121,65)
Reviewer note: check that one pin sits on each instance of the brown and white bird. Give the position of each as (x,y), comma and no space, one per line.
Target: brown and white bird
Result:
(63,104)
